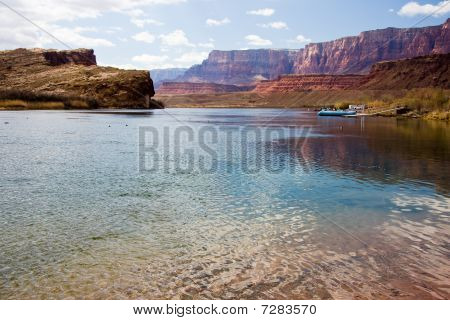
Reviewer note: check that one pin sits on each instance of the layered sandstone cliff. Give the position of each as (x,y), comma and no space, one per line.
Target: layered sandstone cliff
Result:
(74,73)
(241,66)
(349,55)
(293,83)
(203,88)
(357,54)
(421,72)
(431,71)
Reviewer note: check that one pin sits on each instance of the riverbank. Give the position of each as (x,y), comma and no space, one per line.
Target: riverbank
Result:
(27,100)
(427,103)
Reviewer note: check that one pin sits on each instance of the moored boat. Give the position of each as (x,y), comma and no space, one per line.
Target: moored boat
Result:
(336,113)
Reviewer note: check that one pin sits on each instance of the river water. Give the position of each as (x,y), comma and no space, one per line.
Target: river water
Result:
(222,204)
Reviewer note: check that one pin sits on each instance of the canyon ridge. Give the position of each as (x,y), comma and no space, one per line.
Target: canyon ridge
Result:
(348,55)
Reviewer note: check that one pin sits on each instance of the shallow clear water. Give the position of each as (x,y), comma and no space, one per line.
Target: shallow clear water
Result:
(342,208)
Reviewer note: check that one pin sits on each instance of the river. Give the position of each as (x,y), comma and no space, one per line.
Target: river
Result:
(222,204)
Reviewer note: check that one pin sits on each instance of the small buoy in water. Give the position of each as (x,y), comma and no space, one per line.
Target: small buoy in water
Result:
(126,125)
(109,126)
(6,122)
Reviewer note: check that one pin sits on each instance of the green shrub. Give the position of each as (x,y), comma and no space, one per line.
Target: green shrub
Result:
(342,105)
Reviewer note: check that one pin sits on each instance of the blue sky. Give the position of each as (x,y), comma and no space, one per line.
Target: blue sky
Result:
(147,34)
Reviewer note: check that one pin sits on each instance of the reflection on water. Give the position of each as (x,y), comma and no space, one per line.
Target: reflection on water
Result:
(364,212)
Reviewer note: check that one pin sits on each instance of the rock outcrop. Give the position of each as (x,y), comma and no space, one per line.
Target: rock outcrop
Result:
(74,73)
(349,55)
(420,72)
(357,54)
(193,87)
(293,83)
(241,66)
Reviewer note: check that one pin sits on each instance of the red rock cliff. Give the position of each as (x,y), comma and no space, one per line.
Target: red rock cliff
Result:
(419,72)
(358,54)
(241,66)
(292,83)
(349,55)
(191,87)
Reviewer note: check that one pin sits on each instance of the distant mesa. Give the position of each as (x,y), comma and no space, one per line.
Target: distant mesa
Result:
(74,73)
(164,75)
(199,88)
(241,66)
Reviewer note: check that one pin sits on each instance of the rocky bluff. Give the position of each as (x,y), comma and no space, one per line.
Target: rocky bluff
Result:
(419,72)
(357,54)
(74,73)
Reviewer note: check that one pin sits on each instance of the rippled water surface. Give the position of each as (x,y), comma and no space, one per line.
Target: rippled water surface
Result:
(342,208)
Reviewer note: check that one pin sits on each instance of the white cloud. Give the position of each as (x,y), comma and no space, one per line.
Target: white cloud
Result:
(74,38)
(176,38)
(19,33)
(186,59)
(144,37)
(134,12)
(266,12)
(57,10)
(208,45)
(153,62)
(16,31)
(215,23)
(413,8)
(126,66)
(85,29)
(275,25)
(301,39)
(112,30)
(190,58)
(391,10)
(142,22)
(255,40)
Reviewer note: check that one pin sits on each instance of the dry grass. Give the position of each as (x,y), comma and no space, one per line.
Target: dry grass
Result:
(52,105)
(34,105)
(13,104)
(78,104)
(438,115)
(431,103)
(20,99)
(418,102)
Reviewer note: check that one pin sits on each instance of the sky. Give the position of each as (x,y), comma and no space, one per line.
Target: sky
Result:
(150,34)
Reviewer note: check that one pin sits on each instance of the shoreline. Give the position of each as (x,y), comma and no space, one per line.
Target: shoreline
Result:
(432,115)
